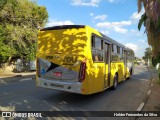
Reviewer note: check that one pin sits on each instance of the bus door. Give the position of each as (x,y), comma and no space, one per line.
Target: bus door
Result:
(125,62)
(107,65)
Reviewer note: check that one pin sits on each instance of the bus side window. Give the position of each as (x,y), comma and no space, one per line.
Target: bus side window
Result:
(93,41)
(118,49)
(98,43)
(121,54)
(96,58)
(95,55)
(97,49)
(114,48)
(106,52)
(121,51)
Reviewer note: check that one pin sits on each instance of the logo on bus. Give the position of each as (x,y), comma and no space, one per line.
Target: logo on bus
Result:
(52,57)
(69,60)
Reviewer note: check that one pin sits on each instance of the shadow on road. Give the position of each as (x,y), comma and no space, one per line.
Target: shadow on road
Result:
(27,97)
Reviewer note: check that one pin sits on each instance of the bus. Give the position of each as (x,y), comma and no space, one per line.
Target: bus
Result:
(80,59)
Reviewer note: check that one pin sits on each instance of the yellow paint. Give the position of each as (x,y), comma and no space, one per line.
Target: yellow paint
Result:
(77,43)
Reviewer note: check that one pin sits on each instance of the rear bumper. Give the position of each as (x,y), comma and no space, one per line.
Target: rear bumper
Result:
(74,87)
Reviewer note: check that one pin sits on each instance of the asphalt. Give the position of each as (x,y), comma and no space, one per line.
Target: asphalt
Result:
(151,102)
(152,99)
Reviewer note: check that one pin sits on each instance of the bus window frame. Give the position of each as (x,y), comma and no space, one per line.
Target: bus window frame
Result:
(93,48)
(109,52)
(118,53)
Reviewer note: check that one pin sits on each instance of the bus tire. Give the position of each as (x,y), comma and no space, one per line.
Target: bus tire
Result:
(130,72)
(115,82)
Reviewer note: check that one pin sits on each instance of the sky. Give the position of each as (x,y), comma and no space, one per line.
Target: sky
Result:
(118,19)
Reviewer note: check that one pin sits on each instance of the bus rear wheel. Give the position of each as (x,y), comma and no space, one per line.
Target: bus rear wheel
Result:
(115,82)
(130,72)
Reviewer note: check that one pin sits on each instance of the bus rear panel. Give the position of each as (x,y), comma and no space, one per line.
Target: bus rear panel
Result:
(61,58)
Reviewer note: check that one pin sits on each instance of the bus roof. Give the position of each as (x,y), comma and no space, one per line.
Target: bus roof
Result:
(83,26)
(62,27)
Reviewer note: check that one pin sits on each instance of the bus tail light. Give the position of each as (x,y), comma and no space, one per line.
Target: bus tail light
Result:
(82,71)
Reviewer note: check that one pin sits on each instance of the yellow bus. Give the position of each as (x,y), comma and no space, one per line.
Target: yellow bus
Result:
(80,59)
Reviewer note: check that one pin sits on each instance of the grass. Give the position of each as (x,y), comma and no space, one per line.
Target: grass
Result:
(157,77)
(158,82)
(155,73)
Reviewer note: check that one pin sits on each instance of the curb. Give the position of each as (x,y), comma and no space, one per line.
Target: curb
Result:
(143,103)
(141,106)
(17,79)
(25,79)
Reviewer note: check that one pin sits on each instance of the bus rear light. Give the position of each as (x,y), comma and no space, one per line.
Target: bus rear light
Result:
(82,71)
(58,74)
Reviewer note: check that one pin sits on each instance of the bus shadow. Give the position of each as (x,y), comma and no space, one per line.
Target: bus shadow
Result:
(51,100)
(77,101)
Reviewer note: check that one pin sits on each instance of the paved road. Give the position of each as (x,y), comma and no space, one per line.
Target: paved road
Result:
(25,96)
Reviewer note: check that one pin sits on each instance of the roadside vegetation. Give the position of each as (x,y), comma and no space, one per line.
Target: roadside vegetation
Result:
(147,54)
(151,21)
(20,20)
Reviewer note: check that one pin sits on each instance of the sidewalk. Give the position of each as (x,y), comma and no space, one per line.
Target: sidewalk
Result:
(153,102)
(153,97)
(13,77)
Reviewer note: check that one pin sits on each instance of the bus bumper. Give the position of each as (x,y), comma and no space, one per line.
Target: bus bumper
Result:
(74,87)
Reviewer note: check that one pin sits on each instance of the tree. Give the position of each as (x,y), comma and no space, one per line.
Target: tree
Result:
(5,50)
(147,54)
(151,21)
(19,22)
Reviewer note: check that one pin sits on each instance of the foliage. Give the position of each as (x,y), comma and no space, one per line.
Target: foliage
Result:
(142,20)
(147,54)
(18,28)
(155,61)
(31,52)
(151,21)
(5,50)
